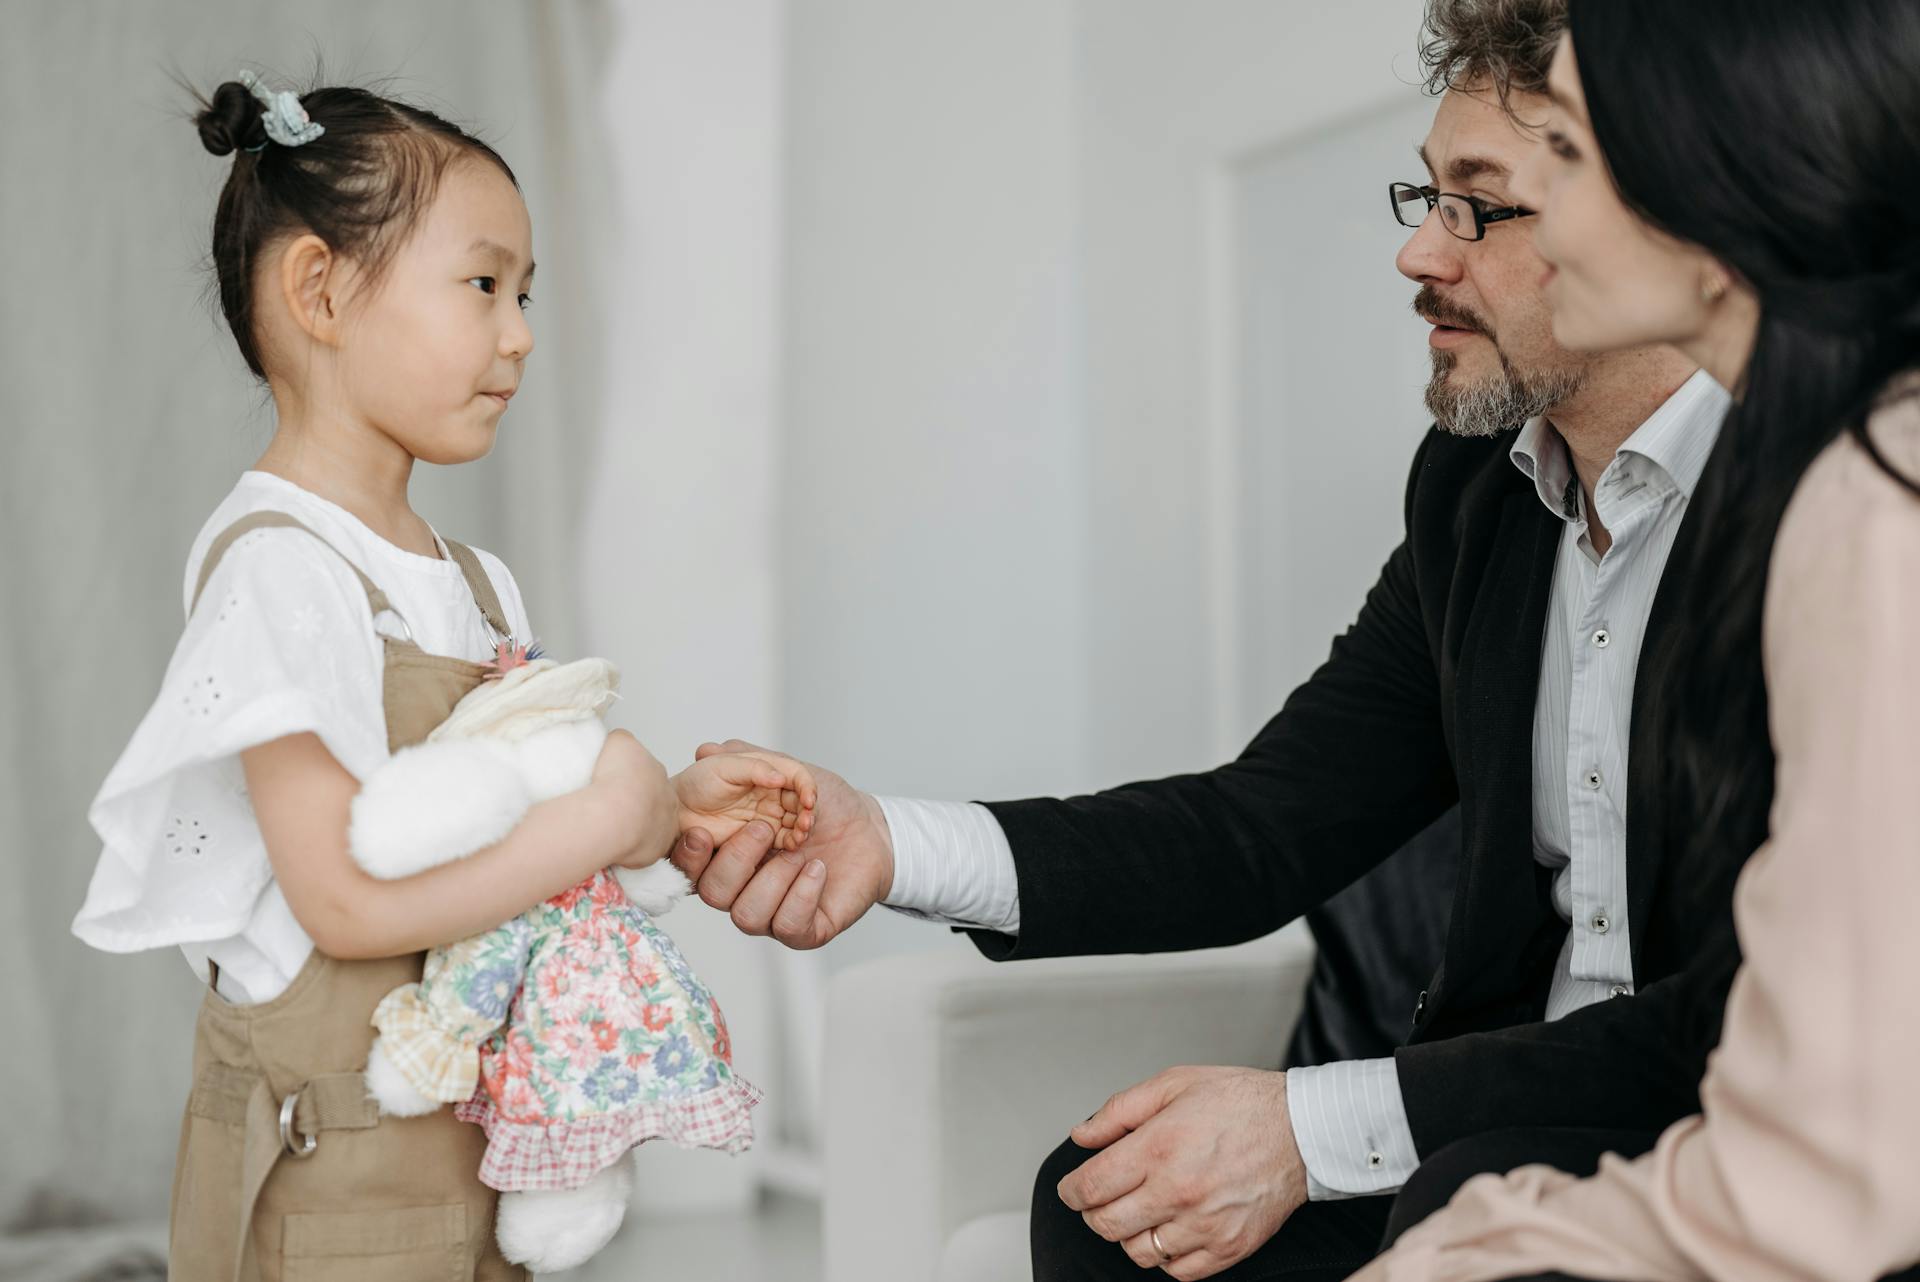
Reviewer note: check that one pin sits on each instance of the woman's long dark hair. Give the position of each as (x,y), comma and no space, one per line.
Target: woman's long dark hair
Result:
(1783,137)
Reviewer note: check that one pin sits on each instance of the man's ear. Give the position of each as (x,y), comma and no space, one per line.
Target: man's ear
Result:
(310,286)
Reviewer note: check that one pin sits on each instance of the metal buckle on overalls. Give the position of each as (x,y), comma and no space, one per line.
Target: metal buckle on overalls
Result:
(286,1129)
(405,630)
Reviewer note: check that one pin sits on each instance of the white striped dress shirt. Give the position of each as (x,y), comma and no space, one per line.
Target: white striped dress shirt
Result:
(1595,626)
(952,862)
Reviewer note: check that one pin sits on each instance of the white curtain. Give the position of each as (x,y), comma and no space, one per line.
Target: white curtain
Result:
(125,413)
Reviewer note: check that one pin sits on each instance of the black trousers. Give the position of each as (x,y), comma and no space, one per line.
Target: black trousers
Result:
(1326,1241)
(1322,1241)
(1575,1150)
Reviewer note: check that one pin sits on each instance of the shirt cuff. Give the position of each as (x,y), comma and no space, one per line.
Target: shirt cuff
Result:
(1351,1126)
(951,863)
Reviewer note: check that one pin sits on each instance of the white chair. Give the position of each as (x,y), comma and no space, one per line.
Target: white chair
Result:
(950,1078)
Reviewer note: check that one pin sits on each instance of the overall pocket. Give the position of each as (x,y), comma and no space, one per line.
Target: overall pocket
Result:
(407,1244)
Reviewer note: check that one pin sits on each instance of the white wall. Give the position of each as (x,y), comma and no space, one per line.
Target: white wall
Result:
(934,531)
(1333,361)
(1177,99)
(680,542)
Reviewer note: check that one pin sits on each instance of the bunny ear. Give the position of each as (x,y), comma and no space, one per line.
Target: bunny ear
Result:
(432,804)
(529,697)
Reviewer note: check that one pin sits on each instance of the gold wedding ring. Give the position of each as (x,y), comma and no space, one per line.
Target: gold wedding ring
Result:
(1166,1256)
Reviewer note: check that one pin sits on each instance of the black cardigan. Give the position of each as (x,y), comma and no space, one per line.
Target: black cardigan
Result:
(1426,701)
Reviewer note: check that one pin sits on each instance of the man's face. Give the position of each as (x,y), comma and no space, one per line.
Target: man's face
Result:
(1495,363)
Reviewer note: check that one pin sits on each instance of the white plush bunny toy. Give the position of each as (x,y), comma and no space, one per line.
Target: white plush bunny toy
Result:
(572,1033)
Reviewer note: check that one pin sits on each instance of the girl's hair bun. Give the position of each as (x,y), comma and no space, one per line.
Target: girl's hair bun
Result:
(231,121)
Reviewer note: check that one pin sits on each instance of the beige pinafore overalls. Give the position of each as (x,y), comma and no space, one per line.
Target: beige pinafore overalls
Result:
(286,1171)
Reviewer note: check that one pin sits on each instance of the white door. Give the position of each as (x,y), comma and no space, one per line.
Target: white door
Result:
(1331,362)
(1252,368)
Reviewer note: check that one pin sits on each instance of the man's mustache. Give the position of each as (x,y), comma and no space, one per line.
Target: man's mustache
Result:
(1428,305)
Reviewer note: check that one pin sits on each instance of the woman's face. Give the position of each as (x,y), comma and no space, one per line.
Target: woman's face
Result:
(1612,281)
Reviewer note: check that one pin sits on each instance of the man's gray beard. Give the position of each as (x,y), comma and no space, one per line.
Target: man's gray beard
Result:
(1498,404)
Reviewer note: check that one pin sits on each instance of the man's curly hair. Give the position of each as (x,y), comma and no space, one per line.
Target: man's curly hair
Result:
(1507,44)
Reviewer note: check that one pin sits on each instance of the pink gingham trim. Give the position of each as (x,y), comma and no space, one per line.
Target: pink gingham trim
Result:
(523,1156)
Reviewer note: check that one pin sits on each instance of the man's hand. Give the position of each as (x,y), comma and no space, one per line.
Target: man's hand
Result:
(724,792)
(801,899)
(1206,1155)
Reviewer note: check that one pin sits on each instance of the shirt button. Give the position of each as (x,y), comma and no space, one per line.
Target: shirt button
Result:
(1600,924)
(1602,638)
(1593,780)
(1618,990)
(1375,1161)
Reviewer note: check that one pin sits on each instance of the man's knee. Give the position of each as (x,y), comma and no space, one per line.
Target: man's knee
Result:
(1574,1150)
(1060,1163)
(1440,1176)
(1057,1230)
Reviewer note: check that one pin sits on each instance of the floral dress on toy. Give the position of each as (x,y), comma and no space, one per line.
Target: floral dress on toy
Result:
(609,1041)
(572,1033)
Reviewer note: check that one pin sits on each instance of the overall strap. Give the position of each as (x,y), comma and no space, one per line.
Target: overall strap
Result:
(481,586)
(376,599)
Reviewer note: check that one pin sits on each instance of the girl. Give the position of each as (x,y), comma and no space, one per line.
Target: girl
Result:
(1741,178)
(373,264)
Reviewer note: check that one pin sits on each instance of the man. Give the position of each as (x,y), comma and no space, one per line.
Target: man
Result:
(1492,667)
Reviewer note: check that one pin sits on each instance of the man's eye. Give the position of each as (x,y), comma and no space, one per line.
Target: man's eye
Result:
(487,283)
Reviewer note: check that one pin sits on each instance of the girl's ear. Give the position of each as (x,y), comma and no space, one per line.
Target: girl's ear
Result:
(310,285)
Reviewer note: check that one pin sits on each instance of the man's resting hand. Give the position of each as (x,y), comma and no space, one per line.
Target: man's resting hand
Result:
(1205,1155)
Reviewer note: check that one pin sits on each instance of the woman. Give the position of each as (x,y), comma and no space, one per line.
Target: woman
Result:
(1741,178)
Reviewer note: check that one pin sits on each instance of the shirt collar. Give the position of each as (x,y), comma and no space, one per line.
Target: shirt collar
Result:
(1672,444)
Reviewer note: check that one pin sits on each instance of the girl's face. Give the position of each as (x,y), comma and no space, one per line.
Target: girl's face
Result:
(432,356)
(1612,280)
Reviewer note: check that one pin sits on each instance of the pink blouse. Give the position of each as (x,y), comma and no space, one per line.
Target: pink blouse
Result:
(1805,1161)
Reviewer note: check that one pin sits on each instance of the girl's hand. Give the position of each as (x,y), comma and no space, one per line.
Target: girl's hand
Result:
(637,786)
(726,792)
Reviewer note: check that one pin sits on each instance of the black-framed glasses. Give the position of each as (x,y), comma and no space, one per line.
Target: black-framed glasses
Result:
(1465,216)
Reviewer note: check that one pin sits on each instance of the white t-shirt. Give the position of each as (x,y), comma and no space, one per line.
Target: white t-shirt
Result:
(281,643)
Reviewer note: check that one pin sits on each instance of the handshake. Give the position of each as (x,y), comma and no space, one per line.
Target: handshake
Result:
(786,849)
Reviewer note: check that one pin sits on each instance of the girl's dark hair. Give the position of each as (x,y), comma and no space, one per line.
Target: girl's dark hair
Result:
(362,186)
(1784,139)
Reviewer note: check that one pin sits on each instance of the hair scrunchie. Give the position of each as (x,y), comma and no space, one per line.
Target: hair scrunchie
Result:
(286,120)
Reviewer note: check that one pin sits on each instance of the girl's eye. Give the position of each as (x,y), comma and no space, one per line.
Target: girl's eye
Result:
(526,301)
(1561,146)
(487,283)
